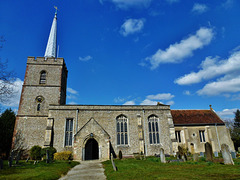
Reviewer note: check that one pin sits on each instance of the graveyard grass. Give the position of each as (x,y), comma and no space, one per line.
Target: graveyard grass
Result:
(41,170)
(152,168)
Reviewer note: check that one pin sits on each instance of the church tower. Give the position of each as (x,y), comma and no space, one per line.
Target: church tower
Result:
(44,84)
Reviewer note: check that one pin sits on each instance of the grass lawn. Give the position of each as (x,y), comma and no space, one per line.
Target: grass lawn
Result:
(152,168)
(40,170)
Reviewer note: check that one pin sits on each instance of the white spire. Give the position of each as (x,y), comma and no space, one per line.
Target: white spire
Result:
(52,40)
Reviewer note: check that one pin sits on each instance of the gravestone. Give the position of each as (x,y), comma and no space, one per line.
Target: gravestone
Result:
(18,157)
(35,162)
(202,154)
(226,154)
(47,156)
(195,157)
(162,156)
(183,158)
(233,154)
(1,164)
(238,149)
(209,152)
(27,159)
(215,154)
(113,164)
(10,161)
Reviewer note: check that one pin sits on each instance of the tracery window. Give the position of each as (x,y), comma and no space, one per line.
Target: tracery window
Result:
(43,75)
(178,136)
(153,129)
(202,136)
(69,132)
(122,130)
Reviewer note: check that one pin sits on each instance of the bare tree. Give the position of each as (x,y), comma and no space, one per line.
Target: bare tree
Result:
(6,78)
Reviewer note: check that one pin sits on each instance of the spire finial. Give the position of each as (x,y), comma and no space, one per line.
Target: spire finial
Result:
(52,39)
(56,9)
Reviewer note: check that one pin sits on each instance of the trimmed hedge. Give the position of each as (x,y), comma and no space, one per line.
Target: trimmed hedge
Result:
(35,153)
(65,155)
(51,151)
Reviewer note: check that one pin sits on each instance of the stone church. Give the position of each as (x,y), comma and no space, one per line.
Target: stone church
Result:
(94,131)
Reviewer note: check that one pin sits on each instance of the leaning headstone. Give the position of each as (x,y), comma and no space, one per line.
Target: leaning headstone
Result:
(35,162)
(47,156)
(215,154)
(10,161)
(226,155)
(113,164)
(233,154)
(27,159)
(162,156)
(195,157)
(209,152)
(18,157)
(1,164)
(183,158)
(202,154)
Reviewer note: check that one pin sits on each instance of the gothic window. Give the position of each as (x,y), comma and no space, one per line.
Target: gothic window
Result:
(69,132)
(178,136)
(122,130)
(43,75)
(38,107)
(202,136)
(153,129)
(39,100)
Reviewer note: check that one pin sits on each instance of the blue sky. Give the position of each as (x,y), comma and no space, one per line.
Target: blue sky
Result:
(182,53)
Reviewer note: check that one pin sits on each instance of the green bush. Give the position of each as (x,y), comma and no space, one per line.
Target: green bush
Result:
(120,154)
(35,153)
(65,155)
(51,151)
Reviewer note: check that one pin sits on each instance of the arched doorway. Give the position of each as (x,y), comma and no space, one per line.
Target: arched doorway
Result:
(91,149)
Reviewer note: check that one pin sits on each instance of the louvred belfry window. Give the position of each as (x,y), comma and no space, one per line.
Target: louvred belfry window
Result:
(153,129)
(122,130)
(43,77)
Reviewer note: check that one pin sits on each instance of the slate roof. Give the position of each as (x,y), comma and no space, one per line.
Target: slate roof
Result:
(195,117)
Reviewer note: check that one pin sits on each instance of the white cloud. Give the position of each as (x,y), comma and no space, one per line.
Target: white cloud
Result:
(231,85)
(175,53)
(126,4)
(118,100)
(170,103)
(162,96)
(72,103)
(71,91)
(187,92)
(13,100)
(149,102)
(129,103)
(87,58)
(199,8)
(227,112)
(131,26)
(214,67)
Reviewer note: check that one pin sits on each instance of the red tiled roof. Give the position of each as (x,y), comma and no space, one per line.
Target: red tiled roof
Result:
(188,117)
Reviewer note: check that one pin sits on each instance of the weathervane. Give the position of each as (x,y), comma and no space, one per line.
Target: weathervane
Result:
(56,9)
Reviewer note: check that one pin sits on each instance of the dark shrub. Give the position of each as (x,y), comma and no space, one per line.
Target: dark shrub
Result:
(35,152)
(51,151)
(120,154)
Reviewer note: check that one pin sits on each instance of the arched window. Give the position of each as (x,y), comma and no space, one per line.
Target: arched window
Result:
(153,129)
(38,107)
(122,130)
(43,77)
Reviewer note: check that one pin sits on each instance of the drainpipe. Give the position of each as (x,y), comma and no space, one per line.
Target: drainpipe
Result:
(217,137)
(144,127)
(77,110)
